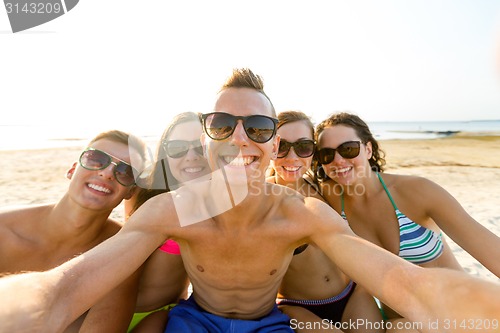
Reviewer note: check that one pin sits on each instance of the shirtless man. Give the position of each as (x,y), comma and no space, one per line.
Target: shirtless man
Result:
(37,238)
(236,259)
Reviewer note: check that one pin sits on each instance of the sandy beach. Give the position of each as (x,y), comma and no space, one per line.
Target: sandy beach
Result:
(468,166)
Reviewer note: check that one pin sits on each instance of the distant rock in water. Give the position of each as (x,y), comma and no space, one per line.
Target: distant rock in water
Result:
(446,133)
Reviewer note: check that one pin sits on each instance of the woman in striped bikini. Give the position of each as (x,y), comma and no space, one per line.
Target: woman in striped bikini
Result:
(403,214)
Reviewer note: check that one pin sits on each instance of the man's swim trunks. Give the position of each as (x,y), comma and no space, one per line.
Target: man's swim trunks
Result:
(190,317)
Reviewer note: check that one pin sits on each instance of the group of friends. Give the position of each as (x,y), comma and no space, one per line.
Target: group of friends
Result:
(269,218)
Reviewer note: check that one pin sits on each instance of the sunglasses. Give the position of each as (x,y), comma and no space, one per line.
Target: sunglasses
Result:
(303,148)
(94,159)
(179,148)
(220,126)
(349,149)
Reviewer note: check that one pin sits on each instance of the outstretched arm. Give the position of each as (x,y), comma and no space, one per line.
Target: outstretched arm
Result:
(49,301)
(29,299)
(452,218)
(419,294)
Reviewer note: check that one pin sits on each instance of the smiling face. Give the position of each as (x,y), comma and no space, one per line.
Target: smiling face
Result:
(192,165)
(292,167)
(238,154)
(99,189)
(342,170)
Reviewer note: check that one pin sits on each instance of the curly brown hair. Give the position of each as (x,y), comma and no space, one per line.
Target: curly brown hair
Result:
(377,161)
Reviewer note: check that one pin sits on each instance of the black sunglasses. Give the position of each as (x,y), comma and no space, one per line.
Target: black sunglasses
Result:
(220,126)
(303,148)
(179,148)
(94,159)
(349,149)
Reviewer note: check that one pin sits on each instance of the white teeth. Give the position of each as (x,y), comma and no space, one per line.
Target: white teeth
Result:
(99,188)
(238,161)
(342,170)
(291,169)
(193,170)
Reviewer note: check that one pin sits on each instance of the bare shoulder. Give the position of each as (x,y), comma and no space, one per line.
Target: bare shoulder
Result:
(296,203)
(23,209)
(317,204)
(19,225)
(17,216)
(314,212)
(410,185)
(322,213)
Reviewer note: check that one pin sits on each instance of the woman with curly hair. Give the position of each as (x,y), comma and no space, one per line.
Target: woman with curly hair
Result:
(403,214)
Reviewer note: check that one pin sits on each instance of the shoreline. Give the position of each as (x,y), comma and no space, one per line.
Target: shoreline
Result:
(381,136)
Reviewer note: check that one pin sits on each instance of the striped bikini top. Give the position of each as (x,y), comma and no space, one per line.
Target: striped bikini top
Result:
(417,244)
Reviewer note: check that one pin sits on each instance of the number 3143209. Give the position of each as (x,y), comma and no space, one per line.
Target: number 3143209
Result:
(33,8)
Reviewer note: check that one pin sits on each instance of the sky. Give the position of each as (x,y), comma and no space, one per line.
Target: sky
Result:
(133,65)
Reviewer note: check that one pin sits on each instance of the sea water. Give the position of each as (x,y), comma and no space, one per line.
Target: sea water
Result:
(16,137)
(431,129)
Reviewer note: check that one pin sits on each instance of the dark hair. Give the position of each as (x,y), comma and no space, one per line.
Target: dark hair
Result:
(245,78)
(287,117)
(362,130)
(161,175)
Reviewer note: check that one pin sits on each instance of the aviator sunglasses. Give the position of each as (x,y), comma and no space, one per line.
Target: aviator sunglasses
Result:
(349,149)
(179,148)
(303,148)
(220,126)
(94,159)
